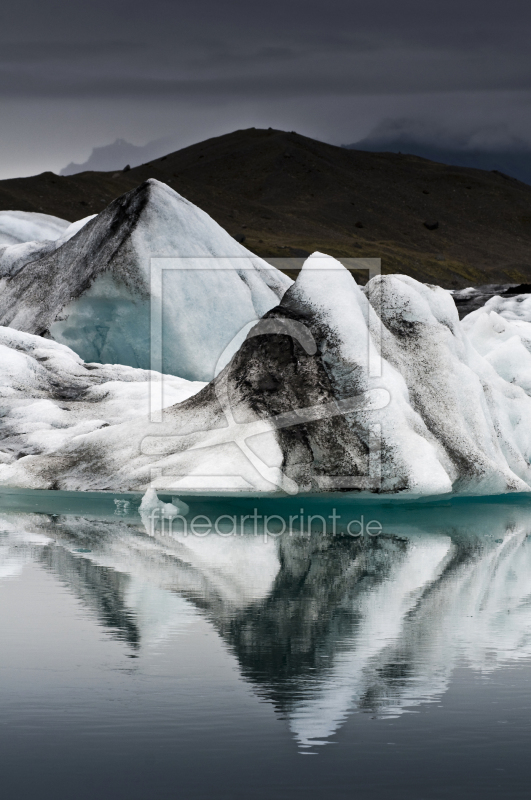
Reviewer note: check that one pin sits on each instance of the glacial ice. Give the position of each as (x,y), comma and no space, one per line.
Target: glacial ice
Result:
(298,406)
(501,332)
(17,227)
(475,297)
(152,510)
(14,255)
(49,397)
(98,293)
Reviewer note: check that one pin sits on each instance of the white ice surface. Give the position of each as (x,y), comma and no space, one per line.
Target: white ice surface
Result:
(452,422)
(72,229)
(513,308)
(35,240)
(27,226)
(458,416)
(34,371)
(152,282)
(501,332)
(202,289)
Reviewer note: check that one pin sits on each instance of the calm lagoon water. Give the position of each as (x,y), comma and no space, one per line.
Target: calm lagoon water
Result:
(299,665)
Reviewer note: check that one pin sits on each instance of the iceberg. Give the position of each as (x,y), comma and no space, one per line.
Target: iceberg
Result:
(17,227)
(49,397)
(517,309)
(501,332)
(474,297)
(337,388)
(98,292)
(13,257)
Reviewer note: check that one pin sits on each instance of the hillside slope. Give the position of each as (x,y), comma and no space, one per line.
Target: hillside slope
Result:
(289,195)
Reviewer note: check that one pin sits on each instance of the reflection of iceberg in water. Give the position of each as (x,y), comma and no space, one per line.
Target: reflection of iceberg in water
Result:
(321,626)
(138,586)
(381,610)
(18,547)
(102,590)
(459,597)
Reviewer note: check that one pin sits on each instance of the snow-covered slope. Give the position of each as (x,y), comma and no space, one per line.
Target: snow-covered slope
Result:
(512,308)
(97,292)
(329,391)
(474,297)
(49,397)
(27,226)
(501,332)
(13,257)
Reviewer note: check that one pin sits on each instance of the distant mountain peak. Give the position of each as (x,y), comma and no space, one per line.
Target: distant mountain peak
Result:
(118,154)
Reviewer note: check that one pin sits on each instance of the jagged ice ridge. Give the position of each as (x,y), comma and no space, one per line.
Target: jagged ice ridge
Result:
(98,292)
(285,414)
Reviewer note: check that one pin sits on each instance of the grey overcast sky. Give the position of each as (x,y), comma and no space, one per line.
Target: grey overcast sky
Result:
(74,75)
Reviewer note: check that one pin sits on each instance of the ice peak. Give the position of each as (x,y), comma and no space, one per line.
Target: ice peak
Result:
(96,291)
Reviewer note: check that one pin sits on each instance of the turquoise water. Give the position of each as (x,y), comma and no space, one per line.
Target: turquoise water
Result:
(295,661)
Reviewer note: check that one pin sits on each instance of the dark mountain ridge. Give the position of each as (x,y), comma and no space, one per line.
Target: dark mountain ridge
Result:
(287,195)
(514,162)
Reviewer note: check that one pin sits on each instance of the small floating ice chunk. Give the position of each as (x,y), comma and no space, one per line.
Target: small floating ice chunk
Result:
(153,511)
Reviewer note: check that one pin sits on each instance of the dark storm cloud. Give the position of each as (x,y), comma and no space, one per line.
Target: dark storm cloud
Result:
(19,53)
(67,48)
(32,84)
